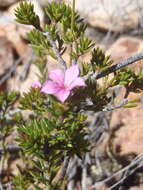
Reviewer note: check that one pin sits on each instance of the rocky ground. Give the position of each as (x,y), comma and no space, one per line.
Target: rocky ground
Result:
(117,27)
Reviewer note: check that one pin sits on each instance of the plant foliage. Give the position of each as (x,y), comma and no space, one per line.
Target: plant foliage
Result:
(57,130)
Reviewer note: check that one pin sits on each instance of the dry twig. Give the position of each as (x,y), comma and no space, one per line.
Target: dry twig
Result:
(12,69)
(55,48)
(130,169)
(119,65)
(111,108)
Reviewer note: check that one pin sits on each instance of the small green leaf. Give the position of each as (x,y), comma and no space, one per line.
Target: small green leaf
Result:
(25,14)
(130,105)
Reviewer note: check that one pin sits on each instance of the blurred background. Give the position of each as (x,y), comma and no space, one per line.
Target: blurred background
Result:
(116,26)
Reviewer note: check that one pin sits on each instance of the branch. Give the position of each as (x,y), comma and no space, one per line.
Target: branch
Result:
(64,167)
(111,107)
(136,161)
(126,176)
(8,74)
(62,172)
(118,66)
(26,69)
(55,48)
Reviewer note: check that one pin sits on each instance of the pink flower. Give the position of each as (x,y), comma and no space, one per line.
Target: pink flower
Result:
(36,84)
(61,83)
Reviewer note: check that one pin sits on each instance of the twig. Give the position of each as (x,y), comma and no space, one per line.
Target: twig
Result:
(12,69)
(56,51)
(118,66)
(61,174)
(85,180)
(126,176)
(64,168)
(26,69)
(136,161)
(9,73)
(111,108)
(72,171)
(55,48)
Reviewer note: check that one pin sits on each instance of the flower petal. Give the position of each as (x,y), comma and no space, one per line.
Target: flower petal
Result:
(77,82)
(36,84)
(71,74)
(57,76)
(62,94)
(50,87)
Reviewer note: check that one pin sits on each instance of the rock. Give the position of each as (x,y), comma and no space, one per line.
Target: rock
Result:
(23,86)
(6,54)
(125,47)
(15,165)
(10,30)
(7,3)
(22,29)
(21,48)
(43,3)
(140,187)
(127,123)
(129,137)
(6,58)
(113,15)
